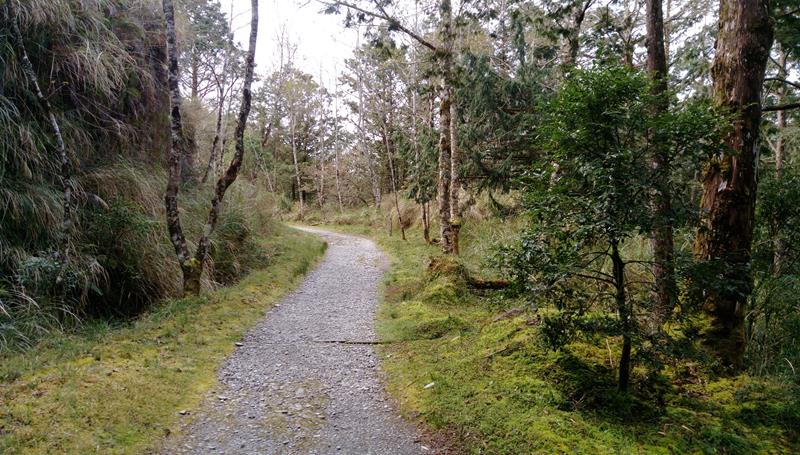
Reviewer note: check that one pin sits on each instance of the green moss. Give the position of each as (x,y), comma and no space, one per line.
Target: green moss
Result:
(499,390)
(93,391)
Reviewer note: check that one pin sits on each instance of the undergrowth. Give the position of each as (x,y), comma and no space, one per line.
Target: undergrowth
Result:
(123,261)
(117,387)
(474,365)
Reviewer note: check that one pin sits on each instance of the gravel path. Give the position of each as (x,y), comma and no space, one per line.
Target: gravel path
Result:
(300,383)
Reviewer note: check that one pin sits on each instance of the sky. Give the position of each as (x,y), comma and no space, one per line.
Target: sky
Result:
(323,43)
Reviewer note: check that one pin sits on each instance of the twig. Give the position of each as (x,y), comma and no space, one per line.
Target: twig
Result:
(790,365)
(353,342)
(610,357)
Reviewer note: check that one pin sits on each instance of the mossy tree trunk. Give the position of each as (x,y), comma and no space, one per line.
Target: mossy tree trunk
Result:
(192,266)
(456,212)
(572,33)
(191,273)
(729,182)
(445,54)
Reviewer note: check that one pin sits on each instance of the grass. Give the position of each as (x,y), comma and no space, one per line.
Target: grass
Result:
(465,365)
(118,389)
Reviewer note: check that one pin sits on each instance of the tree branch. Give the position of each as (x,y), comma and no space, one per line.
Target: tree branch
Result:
(783,81)
(383,15)
(781,107)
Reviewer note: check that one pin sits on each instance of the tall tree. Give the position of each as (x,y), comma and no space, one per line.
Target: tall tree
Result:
(445,56)
(663,248)
(443,51)
(744,39)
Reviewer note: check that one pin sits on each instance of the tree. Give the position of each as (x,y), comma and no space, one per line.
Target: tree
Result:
(662,239)
(444,53)
(724,240)
(588,195)
(192,267)
(584,208)
(206,31)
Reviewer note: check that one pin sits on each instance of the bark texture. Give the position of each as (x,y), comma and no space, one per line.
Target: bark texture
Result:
(443,196)
(663,248)
(456,212)
(572,33)
(190,269)
(729,182)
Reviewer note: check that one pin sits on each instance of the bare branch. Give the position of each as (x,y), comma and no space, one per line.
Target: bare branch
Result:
(781,107)
(383,15)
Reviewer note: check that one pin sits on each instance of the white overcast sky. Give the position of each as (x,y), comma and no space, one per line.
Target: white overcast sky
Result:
(322,41)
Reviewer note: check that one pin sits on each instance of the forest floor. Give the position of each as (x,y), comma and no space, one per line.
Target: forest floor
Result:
(470,366)
(306,378)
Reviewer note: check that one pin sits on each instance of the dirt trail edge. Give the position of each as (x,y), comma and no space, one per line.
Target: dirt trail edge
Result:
(305,379)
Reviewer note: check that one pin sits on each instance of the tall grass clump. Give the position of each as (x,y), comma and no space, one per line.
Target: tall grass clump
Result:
(101,66)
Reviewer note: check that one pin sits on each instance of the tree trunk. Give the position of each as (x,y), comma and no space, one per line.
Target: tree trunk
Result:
(212,158)
(373,176)
(221,88)
(426,226)
(456,215)
(336,149)
(781,124)
(443,184)
(321,191)
(445,160)
(190,269)
(664,290)
(296,167)
(195,74)
(232,172)
(571,45)
(729,182)
(625,316)
(390,155)
(64,177)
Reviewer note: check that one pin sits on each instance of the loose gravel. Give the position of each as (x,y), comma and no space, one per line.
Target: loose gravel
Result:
(305,380)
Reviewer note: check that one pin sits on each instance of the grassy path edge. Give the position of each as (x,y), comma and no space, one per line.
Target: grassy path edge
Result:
(480,381)
(119,390)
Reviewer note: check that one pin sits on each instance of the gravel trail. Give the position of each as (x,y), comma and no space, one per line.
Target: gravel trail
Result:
(300,383)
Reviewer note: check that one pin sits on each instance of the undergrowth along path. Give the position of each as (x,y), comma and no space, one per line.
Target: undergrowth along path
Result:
(288,389)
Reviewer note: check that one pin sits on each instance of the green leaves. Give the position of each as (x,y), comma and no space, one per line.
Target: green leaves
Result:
(588,199)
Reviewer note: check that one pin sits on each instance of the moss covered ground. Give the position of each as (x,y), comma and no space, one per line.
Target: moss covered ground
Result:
(471,365)
(118,389)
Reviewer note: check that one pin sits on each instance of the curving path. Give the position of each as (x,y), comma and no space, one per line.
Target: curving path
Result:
(300,383)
